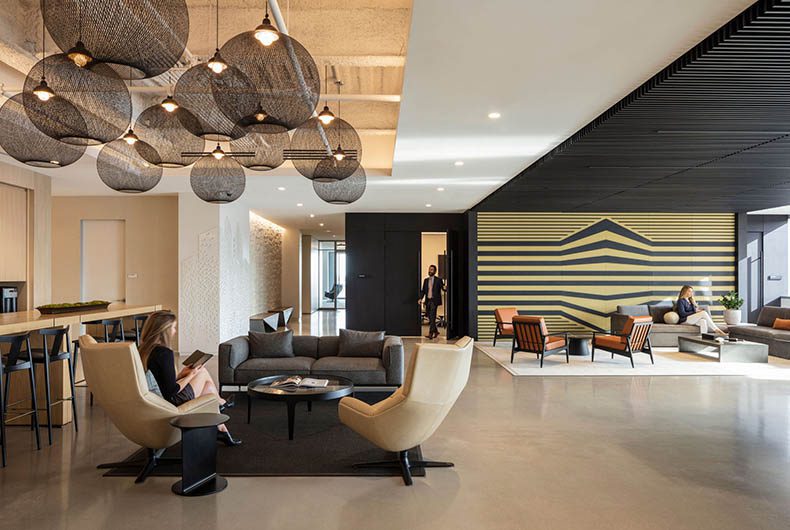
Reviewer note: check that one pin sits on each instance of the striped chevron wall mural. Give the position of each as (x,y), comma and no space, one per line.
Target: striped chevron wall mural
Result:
(576,268)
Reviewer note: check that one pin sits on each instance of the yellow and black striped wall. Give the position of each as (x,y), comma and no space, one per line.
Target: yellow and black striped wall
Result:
(576,268)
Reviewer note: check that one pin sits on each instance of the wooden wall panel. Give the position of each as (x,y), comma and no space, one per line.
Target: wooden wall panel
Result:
(13,233)
(575,269)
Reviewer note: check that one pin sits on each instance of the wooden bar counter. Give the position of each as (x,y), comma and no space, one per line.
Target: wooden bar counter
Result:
(22,321)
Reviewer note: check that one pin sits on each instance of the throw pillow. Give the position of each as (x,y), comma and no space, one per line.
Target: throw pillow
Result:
(270,345)
(360,343)
(670,317)
(782,323)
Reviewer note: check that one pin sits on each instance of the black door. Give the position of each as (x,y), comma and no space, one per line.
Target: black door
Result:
(402,259)
(365,280)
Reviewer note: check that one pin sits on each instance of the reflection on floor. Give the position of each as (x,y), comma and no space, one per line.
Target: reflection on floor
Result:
(530,452)
(319,323)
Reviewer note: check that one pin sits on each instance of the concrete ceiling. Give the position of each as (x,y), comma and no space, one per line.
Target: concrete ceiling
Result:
(547,67)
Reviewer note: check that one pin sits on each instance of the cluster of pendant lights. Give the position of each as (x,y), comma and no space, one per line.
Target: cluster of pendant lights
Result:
(257,87)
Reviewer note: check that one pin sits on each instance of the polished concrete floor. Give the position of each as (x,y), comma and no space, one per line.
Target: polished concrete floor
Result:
(531,453)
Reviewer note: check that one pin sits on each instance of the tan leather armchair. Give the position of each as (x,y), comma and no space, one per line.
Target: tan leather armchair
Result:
(116,377)
(436,376)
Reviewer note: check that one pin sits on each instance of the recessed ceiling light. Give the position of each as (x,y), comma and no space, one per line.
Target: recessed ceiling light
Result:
(299,204)
(312,215)
(428,205)
(328,231)
(333,235)
(494,115)
(320,224)
(440,189)
(459,163)
(280,188)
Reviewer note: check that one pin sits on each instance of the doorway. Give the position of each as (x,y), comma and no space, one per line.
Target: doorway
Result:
(103,260)
(433,251)
(331,275)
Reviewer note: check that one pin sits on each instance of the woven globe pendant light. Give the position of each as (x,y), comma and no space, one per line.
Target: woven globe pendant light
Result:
(25,143)
(217,180)
(315,137)
(344,191)
(198,91)
(147,35)
(121,167)
(284,74)
(267,148)
(163,130)
(97,93)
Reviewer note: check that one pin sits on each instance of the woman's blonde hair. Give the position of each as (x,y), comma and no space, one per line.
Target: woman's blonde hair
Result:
(156,332)
(685,289)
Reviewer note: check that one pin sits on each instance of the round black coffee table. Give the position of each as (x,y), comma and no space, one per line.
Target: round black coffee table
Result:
(337,388)
(579,343)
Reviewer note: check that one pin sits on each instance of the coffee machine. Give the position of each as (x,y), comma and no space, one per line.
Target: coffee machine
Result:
(8,299)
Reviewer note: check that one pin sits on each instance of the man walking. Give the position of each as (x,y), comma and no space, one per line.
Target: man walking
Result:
(431,291)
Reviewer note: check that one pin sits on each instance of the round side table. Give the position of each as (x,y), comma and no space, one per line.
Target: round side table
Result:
(579,344)
(199,455)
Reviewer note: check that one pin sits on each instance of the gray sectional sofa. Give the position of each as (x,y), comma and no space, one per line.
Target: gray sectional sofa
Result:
(661,334)
(367,362)
(778,340)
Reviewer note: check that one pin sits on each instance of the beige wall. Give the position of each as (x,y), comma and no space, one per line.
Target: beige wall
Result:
(151,245)
(292,270)
(38,286)
(309,274)
(433,244)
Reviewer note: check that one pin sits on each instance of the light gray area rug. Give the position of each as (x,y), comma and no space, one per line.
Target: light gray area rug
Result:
(668,363)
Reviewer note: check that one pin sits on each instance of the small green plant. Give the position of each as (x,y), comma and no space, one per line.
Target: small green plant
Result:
(731,300)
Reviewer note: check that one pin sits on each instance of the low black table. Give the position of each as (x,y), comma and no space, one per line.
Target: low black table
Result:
(199,455)
(337,388)
(579,343)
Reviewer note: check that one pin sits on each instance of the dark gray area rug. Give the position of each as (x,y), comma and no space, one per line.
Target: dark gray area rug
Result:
(322,446)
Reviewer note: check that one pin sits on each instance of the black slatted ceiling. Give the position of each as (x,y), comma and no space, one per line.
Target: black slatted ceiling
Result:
(709,133)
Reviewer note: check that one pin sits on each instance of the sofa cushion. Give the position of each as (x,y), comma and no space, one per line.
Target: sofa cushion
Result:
(252,369)
(328,346)
(360,343)
(305,346)
(270,345)
(658,311)
(768,314)
(674,328)
(361,370)
(758,332)
(671,318)
(554,342)
(633,310)
(782,323)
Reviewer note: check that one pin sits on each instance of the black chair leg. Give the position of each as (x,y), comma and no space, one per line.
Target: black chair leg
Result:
(541,359)
(567,357)
(34,415)
(403,457)
(48,395)
(5,391)
(2,421)
(631,356)
(73,394)
(592,353)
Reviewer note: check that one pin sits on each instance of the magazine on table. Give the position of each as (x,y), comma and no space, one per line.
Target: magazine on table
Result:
(296,381)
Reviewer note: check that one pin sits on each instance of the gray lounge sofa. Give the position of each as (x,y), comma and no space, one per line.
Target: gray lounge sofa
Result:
(778,340)
(320,356)
(661,334)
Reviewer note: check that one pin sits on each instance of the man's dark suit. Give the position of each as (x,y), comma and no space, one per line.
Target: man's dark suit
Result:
(433,301)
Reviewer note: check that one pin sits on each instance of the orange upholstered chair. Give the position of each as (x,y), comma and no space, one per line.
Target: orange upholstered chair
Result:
(530,335)
(635,338)
(504,322)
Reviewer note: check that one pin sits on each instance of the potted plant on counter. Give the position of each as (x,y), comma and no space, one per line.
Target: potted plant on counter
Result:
(732,308)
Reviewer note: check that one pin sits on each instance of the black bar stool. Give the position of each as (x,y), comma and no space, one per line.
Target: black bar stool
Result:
(139,321)
(15,361)
(46,356)
(113,332)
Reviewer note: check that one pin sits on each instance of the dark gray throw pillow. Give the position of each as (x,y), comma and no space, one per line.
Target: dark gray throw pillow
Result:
(269,345)
(360,343)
